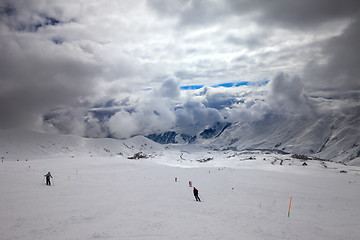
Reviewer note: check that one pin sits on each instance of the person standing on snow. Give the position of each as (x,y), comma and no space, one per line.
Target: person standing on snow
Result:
(48,176)
(196,192)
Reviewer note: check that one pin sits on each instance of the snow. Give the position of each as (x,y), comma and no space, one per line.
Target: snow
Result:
(108,196)
(334,137)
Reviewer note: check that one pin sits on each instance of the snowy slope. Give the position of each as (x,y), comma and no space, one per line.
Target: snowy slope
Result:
(108,196)
(21,144)
(244,197)
(334,135)
(328,137)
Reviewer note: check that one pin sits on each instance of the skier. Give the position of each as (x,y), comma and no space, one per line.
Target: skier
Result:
(190,184)
(48,176)
(196,192)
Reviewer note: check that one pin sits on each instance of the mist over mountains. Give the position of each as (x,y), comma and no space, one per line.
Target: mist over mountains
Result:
(332,136)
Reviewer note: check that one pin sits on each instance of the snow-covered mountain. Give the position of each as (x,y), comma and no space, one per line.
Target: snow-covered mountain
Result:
(329,137)
(334,136)
(25,145)
(176,137)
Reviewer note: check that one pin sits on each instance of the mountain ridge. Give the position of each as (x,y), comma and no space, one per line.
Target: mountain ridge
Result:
(334,136)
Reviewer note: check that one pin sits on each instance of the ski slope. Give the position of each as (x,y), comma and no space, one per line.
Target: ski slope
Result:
(108,196)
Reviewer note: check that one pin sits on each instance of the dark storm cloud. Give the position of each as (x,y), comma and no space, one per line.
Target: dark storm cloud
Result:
(187,75)
(35,74)
(190,13)
(202,12)
(167,7)
(31,15)
(287,95)
(41,72)
(221,100)
(250,42)
(195,113)
(297,14)
(170,89)
(67,120)
(340,70)
(33,82)
(337,66)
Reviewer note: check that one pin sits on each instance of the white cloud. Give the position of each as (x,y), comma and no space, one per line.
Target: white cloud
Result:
(123,125)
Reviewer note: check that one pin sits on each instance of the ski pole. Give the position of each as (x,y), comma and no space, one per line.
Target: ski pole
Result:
(201,198)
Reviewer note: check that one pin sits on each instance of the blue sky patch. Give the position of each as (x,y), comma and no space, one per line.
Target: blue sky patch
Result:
(191,87)
(226,85)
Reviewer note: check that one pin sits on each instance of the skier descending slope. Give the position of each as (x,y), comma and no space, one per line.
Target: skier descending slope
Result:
(48,176)
(196,192)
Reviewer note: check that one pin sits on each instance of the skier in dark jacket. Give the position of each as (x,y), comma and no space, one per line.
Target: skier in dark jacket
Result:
(48,176)
(196,192)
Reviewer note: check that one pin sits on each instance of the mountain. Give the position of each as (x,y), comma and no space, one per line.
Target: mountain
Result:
(17,144)
(333,136)
(178,136)
(163,138)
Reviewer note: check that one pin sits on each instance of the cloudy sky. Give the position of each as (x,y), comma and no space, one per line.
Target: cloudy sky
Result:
(104,67)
